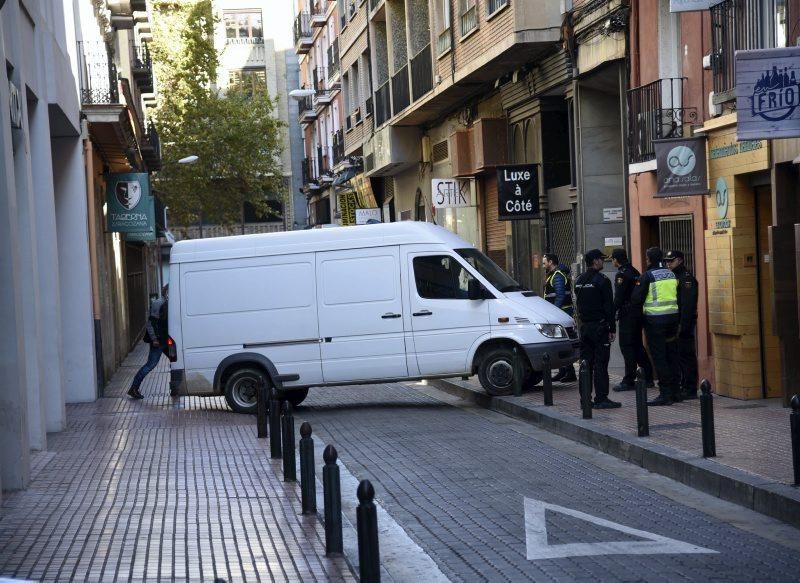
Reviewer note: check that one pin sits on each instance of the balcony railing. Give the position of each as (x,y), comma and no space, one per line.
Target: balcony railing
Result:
(383,108)
(444,42)
(245,40)
(338,146)
(305,105)
(333,58)
(320,80)
(302,27)
(98,74)
(655,113)
(421,73)
(142,67)
(400,95)
(469,20)
(735,25)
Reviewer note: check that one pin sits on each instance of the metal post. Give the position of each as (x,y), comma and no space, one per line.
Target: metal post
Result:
(585,388)
(274,425)
(287,432)
(308,484)
(332,494)
(707,420)
(642,415)
(369,563)
(262,408)
(794,421)
(547,380)
(516,367)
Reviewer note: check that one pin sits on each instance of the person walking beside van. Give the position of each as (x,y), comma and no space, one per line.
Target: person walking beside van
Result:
(156,335)
(595,304)
(657,294)
(558,291)
(687,308)
(630,323)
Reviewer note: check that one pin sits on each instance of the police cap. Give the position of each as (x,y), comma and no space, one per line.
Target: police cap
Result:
(592,255)
(673,254)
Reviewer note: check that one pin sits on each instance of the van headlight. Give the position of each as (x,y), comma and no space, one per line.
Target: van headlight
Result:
(552,330)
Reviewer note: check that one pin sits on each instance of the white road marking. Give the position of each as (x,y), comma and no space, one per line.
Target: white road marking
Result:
(538,548)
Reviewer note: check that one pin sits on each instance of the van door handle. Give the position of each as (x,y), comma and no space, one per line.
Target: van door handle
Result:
(390,315)
(423,313)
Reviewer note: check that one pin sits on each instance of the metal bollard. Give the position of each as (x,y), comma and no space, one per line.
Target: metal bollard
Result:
(516,370)
(707,419)
(287,434)
(308,484)
(262,408)
(794,422)
(642,415)
(369,562)
(547,380)
(274,424)
(332,494)
(585,388)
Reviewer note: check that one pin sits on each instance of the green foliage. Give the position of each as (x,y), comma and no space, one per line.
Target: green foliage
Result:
(235,135)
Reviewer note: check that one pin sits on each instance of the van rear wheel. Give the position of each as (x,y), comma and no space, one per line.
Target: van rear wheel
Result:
(241,387)
(496,372)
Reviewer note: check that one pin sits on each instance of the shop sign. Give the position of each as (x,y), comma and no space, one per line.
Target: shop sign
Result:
(768,93)
(348,203)
(613,214)
(131,208)
(690,5)
(681,167)
(15,105)
(721,197)
(365,216)
(518,192)
(450,193)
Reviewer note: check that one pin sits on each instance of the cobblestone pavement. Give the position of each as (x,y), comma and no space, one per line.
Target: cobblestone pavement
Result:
(750,435)
(159,489)
(456,482)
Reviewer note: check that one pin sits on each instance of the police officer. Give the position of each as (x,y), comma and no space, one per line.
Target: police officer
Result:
(595,304)
(558,291)
(630,323)
(687,306)
(656,293)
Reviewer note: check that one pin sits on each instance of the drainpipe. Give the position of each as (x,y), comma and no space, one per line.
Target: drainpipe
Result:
(88,156)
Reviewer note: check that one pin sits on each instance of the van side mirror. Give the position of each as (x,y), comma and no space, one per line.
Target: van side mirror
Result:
(475,290)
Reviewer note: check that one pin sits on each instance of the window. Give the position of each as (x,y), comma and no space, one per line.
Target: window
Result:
(490,270)
(443,41)
(243,24)
(250,80)
(469,16)
(420,205)
(441,277)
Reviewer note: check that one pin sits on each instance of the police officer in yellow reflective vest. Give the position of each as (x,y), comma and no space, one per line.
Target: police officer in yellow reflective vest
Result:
(558,291)
(657,294)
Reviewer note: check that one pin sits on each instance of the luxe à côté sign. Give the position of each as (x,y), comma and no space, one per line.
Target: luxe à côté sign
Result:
(518,192)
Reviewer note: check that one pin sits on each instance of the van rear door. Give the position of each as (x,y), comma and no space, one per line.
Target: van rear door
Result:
(361,314)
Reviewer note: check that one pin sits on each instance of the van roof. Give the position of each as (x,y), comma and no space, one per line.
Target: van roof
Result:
(312,240)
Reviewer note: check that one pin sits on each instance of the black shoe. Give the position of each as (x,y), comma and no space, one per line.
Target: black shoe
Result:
(650,384)
(659,401)
(624,387)
(689,396)
(134,393)
(556,378)
(570,377)
(606,404)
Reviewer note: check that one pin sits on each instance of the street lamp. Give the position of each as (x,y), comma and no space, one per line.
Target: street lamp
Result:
(301,94)
(189,159)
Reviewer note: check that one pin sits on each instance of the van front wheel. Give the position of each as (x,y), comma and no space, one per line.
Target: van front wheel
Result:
(496,372)
(241,387)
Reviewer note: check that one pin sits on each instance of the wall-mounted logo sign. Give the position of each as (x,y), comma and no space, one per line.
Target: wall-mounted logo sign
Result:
(768,93)
(450,193)
(15,105)
(721,196)
(690,5)
(681,167)
(368,216)
(131,208)
(518,192)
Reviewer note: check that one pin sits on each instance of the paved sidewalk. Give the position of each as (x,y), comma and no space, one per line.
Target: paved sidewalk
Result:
(163,488)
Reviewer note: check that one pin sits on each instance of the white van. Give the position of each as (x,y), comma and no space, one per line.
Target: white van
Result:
(355,305)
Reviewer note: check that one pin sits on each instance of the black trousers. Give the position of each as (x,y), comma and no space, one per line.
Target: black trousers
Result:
(596,350)
(687,360)
(630,343)
(662,340)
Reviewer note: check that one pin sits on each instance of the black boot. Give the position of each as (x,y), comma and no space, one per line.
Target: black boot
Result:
(569,375)
(134,393)
(623,387)
(662,399)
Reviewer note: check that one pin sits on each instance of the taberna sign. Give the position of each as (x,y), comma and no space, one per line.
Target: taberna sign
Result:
(131,208)
(681,167)
(768,93)
(690,5)
(518,192)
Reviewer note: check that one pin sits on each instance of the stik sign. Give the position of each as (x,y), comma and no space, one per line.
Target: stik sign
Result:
(131,208)
(518,192)
(450,193)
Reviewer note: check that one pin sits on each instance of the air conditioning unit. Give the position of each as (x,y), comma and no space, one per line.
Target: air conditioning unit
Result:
(460,147)
(490,143)
(714,109)
(426,149)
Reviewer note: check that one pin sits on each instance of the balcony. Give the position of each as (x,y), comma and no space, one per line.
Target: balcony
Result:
(302,33)
(337,140)
(333,59)
(655,113)
(319,12)
(735,26)
(151,148)
(310,171)
(324,91)
(306,111)
(383,106)
(400,95)
(98,75)
(421,73)
(142,67)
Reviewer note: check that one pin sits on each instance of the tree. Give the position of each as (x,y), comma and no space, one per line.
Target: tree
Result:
(235,135)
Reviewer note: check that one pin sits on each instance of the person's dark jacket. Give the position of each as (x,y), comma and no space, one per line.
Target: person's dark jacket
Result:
(157,321)
(560,287)
(595,299)
(687,299)
(624,283)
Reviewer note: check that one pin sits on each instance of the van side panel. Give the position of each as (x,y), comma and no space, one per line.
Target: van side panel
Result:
(174,314)
(265,305)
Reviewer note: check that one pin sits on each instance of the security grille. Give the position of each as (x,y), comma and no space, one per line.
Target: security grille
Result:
(562,235)
(676,233)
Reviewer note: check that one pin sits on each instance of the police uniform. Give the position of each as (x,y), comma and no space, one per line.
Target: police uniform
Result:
(595,309)
(657,293)
(558,291)
(687,344)
(630,328)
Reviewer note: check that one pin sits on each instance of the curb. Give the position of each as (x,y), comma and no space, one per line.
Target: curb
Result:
(762,495)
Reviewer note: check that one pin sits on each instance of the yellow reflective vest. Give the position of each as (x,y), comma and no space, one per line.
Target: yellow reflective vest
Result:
(662,294)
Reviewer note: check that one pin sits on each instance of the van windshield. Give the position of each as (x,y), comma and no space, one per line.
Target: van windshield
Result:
(490,270)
